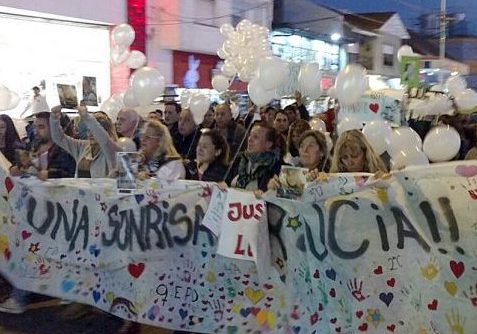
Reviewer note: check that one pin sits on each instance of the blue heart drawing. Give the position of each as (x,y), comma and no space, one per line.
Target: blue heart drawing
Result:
(67,285)
(96,296)
(183,313)
(386,298)
(244,312)
(331,274)
(204,253)
(139,198)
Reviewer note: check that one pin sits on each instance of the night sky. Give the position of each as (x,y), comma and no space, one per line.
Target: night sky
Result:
(409,10)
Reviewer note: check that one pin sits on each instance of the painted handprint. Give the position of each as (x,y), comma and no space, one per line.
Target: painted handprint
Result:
(414,297)
(471,187)
(472,295)
(304,272)
(455,322)
(355,286)
(430,271)
(216,305)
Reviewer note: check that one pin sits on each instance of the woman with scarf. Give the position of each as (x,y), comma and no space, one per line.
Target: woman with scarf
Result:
(261,160)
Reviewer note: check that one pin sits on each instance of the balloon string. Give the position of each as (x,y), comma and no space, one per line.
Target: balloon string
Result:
(192,142)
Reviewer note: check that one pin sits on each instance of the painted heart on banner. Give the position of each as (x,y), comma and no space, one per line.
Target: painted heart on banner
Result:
(386,298)
(25,234)
(136,270)
(451,287)
(432,305)
(9,184)
(374,107)
(254,295)
(457,268)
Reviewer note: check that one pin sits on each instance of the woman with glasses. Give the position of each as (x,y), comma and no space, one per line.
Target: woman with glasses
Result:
(161,159)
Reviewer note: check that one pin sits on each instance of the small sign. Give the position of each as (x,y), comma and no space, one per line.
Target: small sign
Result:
(409,69)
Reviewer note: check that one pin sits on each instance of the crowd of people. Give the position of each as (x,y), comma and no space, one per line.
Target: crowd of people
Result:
(245,152)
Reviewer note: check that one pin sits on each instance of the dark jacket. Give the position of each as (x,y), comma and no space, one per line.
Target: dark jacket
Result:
(214,173)
(234,137)
(186,146)
(60,163)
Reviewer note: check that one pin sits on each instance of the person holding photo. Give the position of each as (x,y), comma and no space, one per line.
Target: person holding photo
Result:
(96,156)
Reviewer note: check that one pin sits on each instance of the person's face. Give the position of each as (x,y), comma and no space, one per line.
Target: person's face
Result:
(263,114)
(292,115)
(36,92)
(154,116)
(257,140)
(3,129)
(124,122)
(41,129)
(206,151)
(353,159)
(170,115)
(295,137)
(310,152)
(208,118)
(281,123)
(150,142)
(186,123)
(223,116)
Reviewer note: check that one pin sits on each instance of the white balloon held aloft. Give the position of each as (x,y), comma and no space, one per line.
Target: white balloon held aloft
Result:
(350,84)
(466,99)
(136,59)
(226,30)
(129,99)
(455,84)
(378,133)
(228,68)
(112,106)
(198,105)
(185,98)
(147,84)
(317,124)
(405,50)
(220,83)
(442,143)
(332,92)
(402,139)
(5,97)
(123,35)
(14,100)
(309,79)
(119,54)
(127,144)
(408,157)
(272,72)
(349,123)
(259,95)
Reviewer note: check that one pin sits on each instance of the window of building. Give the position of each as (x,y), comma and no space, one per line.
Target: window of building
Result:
(388,55)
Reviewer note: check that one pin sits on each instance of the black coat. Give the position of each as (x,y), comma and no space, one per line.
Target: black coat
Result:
(214,173)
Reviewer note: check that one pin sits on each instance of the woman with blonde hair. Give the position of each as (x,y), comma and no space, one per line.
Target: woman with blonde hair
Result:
(161,159)
(354,154)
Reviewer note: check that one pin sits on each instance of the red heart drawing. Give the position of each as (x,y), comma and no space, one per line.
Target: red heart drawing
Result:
(359,314)
(9,184)
(136,269)
(378,270)
(333,292)
(374,107)
(25,234)
(333,321)
(457,268)
(255,310)
(432,306)
(363,327)
(391,282)
(391,328)
(268,286)
(314,318)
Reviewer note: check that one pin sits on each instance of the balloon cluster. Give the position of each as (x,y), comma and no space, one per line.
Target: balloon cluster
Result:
(122,36)
(465,98)
(8,99)
(197,103)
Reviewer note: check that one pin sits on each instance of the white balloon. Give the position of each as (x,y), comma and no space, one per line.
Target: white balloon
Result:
(185,98)
(14,100)
(309,79)
(259,95)
(466,99)
(456,84)
(228,68)
(349,123)
(123,35)
(378,133)
(317,124)
(244,25)
(199,104)
(112,106)
(220,83)
(226,29)
(5,97)
(408,157)
(129,99)
(329,141)
(351,83)
(222,54)
(442,143)
(119,54)
(272,72)
(136,59)
(402,139)
(127,144)
(147,84)
(404,50)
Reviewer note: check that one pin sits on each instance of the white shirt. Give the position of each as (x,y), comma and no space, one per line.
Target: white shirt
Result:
(37,104)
